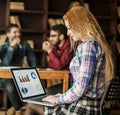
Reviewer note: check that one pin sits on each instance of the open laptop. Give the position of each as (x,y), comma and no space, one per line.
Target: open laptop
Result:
(29,85)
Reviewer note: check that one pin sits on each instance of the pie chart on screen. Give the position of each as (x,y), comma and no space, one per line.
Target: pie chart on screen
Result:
(33,75)
(24,90)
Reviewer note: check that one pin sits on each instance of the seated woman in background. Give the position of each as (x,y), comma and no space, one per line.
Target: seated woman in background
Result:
(91,66)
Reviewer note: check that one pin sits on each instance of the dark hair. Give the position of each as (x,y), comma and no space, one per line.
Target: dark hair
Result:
(8,28)
(61,29)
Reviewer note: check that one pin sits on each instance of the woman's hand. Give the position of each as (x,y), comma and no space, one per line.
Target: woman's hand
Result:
(51,99)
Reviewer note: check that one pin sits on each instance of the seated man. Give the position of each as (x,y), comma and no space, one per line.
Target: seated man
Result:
(12,53)
(58,50)
(59,56)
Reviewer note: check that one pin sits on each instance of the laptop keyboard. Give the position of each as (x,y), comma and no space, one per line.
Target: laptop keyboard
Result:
(38,98)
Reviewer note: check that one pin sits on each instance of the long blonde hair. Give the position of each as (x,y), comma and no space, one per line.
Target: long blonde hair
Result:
(83,24)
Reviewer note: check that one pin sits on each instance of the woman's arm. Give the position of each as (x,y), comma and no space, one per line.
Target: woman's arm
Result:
(86,57)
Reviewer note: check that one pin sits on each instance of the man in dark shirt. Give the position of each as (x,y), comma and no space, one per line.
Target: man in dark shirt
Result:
(12,53)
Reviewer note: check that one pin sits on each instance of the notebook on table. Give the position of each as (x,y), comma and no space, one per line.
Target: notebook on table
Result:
(29,85)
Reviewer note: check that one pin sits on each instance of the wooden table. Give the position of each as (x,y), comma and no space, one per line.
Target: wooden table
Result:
(44,74)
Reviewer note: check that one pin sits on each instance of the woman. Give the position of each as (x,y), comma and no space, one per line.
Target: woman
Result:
(90,68)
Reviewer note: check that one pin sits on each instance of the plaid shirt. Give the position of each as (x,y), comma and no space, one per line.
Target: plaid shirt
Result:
(87,69)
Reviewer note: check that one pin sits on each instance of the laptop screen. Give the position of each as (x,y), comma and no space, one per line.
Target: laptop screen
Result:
(28,82)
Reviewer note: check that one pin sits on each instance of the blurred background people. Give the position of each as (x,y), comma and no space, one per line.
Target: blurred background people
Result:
(12,53)
(58,48)
(59,51)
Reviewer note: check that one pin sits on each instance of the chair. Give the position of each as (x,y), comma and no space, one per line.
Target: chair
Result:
(111,94)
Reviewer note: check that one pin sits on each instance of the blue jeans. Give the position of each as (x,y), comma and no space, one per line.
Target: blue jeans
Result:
(11,93)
